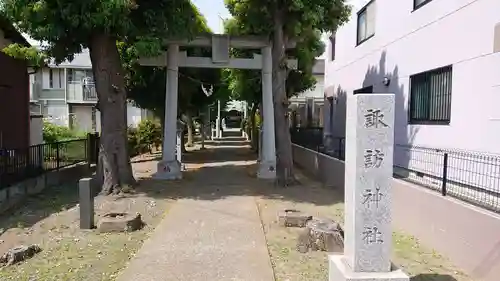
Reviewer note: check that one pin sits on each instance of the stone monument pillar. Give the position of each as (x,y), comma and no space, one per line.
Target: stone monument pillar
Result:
(368,177)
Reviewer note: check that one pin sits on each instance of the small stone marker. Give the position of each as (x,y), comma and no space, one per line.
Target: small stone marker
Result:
(293,218)
(120,222)
(86,203)
(368,177)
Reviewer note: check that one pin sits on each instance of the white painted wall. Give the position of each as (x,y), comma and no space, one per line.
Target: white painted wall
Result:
(133,115)
(406,42)
(82,118)
(316,92)
(56,112)
(36,130)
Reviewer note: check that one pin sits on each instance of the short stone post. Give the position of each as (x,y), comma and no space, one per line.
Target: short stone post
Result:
(368,177)
(86,203)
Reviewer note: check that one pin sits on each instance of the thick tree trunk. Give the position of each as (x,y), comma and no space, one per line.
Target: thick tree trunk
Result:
(284,160)
(115,168)
(189,125)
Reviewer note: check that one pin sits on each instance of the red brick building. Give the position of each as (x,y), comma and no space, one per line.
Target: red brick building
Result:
(14,92)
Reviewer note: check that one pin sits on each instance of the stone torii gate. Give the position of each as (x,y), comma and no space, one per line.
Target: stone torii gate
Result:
(169,167)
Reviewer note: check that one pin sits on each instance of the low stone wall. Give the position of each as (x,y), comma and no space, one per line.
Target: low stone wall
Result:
(326,169)
(466,234)
(14,194)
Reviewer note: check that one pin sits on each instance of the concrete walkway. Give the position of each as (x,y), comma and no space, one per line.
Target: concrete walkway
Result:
(205,236)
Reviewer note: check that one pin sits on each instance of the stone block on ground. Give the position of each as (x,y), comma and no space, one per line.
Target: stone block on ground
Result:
(293,218)
(321,235)
(18,254)
(120,222)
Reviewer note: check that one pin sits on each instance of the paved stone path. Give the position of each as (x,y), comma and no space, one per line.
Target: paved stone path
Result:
(205,236)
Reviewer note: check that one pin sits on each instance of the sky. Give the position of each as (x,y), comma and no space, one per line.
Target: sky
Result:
(213,10)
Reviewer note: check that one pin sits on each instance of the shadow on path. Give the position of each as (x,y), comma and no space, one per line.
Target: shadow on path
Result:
(432,277)
(224,171)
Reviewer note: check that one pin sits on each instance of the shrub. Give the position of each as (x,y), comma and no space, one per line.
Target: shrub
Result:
(54,133)
(144,137)
(132,142)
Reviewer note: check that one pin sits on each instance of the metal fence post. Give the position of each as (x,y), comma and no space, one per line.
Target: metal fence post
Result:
(57,155)
(445,174)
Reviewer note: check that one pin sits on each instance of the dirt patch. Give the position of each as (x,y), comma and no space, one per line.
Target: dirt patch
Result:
(51,220)
(421,263)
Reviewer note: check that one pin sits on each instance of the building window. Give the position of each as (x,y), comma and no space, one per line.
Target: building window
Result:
(332,47)
(419,3)
(430,96)
(366,22)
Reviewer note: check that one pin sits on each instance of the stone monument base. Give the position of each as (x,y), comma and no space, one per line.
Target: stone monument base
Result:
(339,270)
(168,170)
(267,170)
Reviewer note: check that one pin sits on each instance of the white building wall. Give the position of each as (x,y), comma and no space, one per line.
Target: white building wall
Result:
(133,115)
(406,42)
(316,92)
(56,112)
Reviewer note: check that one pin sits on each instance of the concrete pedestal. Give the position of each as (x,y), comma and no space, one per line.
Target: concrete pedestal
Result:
(341,271)
(168,170)
(267,170)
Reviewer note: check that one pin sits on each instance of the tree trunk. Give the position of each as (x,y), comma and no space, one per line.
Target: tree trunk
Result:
(284,160)
(189,125)
(115,168)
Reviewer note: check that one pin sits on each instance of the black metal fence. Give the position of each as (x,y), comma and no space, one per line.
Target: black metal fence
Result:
(470,176)
(312,138)
(17,165)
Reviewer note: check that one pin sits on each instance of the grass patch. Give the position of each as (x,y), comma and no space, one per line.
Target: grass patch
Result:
(421,263)
(51,220)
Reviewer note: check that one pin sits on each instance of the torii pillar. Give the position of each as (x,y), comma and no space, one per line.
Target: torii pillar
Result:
(267,164)
(169,167)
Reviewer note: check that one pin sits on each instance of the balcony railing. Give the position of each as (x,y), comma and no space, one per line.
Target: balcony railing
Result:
(81,92)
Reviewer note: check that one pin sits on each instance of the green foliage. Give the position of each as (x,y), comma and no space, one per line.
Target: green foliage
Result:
(304,21)
(34,57)
(65,27)
(54,133)
(149,132)
(299,15)
(143,138)
(246,84)
(146,85)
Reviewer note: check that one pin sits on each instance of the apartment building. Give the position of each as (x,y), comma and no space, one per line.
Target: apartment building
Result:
(441,58)
(307,107)
(65,94)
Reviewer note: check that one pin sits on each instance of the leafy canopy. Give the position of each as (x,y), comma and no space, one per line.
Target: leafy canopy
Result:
(246,84)
(299,15)
(66,26)
(146,85)
(31,55)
